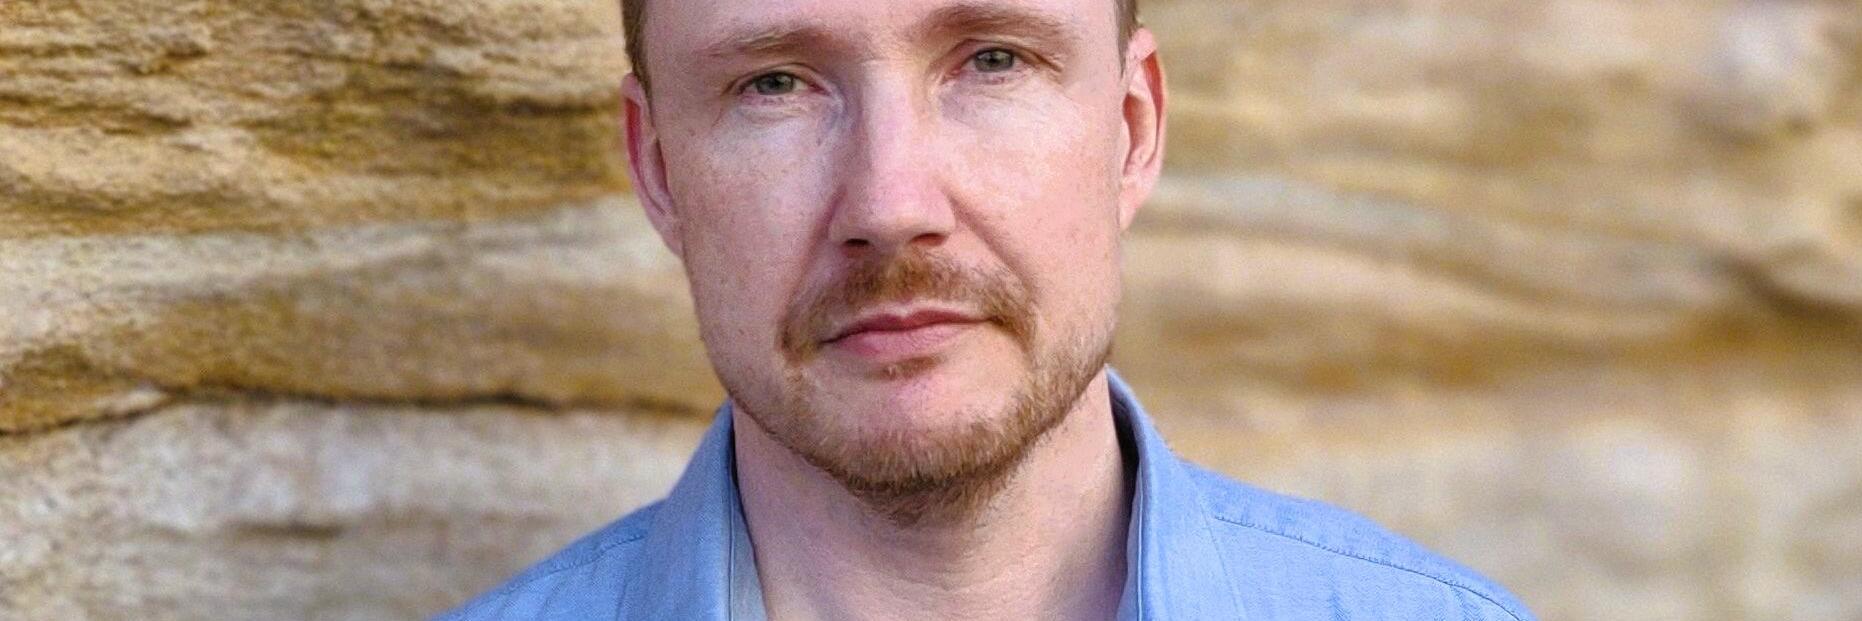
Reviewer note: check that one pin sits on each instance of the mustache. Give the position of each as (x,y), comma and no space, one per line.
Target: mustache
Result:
(913,275)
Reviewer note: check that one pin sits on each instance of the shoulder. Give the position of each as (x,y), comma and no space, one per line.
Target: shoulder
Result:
(1358,566)
(582,581)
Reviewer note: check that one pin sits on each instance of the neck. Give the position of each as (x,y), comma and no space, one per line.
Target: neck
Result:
(1050,545)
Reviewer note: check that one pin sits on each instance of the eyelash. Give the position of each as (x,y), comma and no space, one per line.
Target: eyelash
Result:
(748,87)
(1022,61)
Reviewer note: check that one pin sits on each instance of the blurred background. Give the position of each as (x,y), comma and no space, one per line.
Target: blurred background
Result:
(340,309)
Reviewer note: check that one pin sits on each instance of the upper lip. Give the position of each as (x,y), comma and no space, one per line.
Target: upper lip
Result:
(902,320)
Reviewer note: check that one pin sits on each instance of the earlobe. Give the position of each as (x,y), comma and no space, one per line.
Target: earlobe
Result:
(647,164)
(1144,122)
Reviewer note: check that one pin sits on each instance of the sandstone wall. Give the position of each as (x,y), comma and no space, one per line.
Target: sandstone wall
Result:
(339,309)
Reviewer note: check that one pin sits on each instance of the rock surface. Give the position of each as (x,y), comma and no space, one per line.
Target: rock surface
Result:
(339,310)
(277,509)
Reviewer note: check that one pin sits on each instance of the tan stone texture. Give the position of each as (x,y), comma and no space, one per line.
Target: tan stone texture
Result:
(275,509)
(339,309)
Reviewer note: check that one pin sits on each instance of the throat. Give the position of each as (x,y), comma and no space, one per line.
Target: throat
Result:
(1043,538)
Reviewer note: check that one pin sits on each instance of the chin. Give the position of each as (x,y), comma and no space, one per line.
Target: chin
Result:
(925,395)
(931,432)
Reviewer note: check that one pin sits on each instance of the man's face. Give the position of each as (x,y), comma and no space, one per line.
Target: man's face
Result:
(900,218)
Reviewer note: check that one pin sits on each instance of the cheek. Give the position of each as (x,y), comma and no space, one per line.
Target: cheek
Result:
(749,209)
(1046,198)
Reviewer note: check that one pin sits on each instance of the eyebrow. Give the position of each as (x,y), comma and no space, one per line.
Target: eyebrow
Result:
(771,40)
(949,21)
(977,17)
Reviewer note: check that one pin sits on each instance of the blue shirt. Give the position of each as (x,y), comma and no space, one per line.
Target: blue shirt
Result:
(1199,546)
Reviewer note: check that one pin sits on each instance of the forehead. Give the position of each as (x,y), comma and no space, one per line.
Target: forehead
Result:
(681,30)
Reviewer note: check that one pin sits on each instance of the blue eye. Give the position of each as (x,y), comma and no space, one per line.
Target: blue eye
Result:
(996,60)
(775,84)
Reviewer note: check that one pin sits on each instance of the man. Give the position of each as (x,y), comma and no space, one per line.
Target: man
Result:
(901,222)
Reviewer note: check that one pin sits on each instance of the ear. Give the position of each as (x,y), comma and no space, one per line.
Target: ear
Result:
(1144,124)
(648,165)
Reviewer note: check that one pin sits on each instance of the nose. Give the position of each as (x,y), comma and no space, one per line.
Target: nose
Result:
(891,198)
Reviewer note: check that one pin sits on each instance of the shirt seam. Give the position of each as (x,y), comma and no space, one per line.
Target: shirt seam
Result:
(730,574)
(1376,561)
(1228,577)
(592,557)
(1139,591)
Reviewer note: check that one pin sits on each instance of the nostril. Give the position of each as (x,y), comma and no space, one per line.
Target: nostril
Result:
(854,248)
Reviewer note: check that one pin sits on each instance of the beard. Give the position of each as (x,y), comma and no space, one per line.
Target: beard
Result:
(916,476)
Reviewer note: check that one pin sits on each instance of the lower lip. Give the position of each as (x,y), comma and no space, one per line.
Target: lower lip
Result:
(895,346)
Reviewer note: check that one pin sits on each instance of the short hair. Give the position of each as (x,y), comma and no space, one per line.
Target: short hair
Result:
(633,20)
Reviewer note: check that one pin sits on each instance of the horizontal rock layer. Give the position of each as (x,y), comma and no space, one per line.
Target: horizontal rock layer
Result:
(259,508)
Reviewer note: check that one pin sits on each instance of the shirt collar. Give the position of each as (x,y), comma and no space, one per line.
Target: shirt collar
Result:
(696,563)
(686,563)
(1175,568)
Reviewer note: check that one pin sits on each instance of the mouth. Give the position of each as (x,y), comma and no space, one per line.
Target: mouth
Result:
(897,336)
